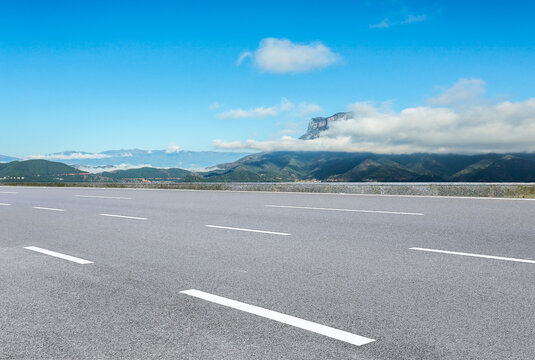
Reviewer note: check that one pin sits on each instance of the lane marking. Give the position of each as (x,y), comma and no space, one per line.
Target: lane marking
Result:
(124,217)
(45,208)
(282,318)
(474,255)
(8,192)
(58,255)
(249,230)
(104,197)
(3,204)
(348,210)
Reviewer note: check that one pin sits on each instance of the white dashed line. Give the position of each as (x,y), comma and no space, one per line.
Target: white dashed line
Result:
(282,318)
(348,210)
(249,230)
(474,255)
(4,204)
(58,255)
(8,192)
(124,217)
(104,197)
(45,208)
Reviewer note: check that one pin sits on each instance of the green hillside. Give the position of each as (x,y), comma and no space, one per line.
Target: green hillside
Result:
(37,167)
(352,167)
(380,170)
(147,173)
(508,168)
(41,171)
(285,166)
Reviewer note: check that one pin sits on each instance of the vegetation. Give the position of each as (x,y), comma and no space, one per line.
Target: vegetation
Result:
(41,171)
(353,167)
(147,173)
(302,166)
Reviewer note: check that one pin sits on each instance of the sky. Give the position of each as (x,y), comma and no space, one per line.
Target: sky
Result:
(433,76)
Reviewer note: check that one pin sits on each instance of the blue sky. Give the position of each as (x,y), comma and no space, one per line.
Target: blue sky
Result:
(99,75)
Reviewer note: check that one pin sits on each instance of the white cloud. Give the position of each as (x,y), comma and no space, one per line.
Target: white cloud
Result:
(381,25)
(102,168)
(244,55)
(172,149)
(214,106)
(285,105)
(475,127)
(305,109)
(283,56)
(70,156)
(289,131)
(410,19)
(465,91)
(414,18)
(258,112)
(286,143)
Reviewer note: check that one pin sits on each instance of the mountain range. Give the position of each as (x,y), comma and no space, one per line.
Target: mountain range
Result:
(135,158)
(352,167)
(209,166)
(303,166)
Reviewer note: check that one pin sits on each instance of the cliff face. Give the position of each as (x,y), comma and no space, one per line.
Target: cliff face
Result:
(319,124)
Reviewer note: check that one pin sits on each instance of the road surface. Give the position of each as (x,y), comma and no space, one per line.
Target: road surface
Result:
(137,274)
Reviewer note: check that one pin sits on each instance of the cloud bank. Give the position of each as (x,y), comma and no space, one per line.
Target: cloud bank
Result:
(282,56)
(456,121)
(97,169)
(71,156)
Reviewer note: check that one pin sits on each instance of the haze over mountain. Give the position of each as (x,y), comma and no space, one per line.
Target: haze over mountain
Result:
(135,158)
(4,158)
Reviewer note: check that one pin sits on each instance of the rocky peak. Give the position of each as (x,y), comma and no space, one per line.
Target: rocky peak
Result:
(319,124)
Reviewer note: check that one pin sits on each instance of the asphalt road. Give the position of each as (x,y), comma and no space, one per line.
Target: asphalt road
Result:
(222,275)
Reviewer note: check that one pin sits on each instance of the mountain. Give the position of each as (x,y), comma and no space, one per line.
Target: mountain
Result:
(356,167)
(49,171)
(147,174)
(5,159)
(509,168)
(319,124)
(381,170)
(303,166)
(41,171)
(268,167)
(136,158)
